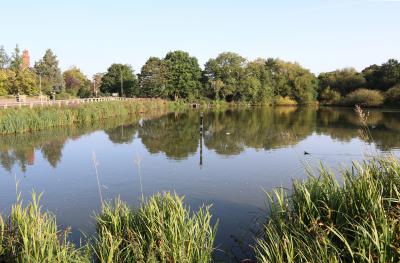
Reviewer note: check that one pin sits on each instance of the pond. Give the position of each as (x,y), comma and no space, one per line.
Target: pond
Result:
(242,154)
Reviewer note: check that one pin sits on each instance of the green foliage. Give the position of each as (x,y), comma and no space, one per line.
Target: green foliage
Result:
(329,96)
(383,77)
(223,74)
(161,230)
(16,60)
(343,81)
(290,79)
(31,235)
(76,83)
(364,97)
(182,73)
(117,75)
(324,221)
(392,95)
(284,101)
(7,78)
(50,73)
(153,79)
(4,59)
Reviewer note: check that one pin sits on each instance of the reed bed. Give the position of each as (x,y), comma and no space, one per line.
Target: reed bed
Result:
(31,235)
(19,120)
(327,220)
(161,230)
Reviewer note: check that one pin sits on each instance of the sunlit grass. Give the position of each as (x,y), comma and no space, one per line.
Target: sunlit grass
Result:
(322,220)
(18,120)
(161,230)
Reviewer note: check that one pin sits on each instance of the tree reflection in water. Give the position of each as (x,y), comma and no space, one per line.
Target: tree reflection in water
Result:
(227,132)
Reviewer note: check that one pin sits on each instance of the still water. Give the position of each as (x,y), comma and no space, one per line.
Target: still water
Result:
(242,154)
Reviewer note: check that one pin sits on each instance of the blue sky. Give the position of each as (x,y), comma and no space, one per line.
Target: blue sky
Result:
(320,35)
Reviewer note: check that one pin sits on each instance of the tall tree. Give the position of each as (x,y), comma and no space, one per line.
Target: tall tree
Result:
(76,83)
(116,75)
(47,68)
(383,77)
(292,80)
(152,78)
(4,59)
(16,60)
(96,79)
(7,78)
(183,75)
(224,74)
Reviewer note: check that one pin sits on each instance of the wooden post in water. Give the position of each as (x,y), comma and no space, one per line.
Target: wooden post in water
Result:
(201,138)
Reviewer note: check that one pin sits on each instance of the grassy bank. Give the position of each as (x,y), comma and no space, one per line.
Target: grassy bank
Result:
(324,221)
(25,119)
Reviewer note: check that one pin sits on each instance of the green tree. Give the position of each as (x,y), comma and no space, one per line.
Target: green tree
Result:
(291,80)
(383,77)
(152,78)
(224,74)
(76,83)
(16,60)
(25,82)
(183,75)
(50,73)
(4,59)
(344,80)
(117,74)
(7,78)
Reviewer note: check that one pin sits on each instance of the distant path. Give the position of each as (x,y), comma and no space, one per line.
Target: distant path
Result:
(4,104)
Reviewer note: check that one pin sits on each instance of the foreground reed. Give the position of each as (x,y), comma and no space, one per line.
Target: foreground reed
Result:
(324,221)
(15,120)
(161,230)
(31,235)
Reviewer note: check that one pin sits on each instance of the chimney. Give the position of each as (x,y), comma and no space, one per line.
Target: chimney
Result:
(26,61)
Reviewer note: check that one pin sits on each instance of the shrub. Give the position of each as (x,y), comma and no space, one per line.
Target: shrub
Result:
(392,95)
(327,221)
(364,97)
(161,230)
(284,101)
(329,96)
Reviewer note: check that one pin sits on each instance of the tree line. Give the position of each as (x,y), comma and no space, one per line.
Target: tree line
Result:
(228,77)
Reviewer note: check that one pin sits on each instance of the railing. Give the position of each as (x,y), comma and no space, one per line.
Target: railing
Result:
(59,103)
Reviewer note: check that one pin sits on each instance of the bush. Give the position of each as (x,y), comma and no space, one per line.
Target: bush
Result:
(284,101)
(392,95)
(329,96)
(161,230)
(364,97)
(324,220)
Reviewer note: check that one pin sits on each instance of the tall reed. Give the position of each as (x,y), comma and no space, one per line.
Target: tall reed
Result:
(324,221)
(162,229)
(31,235)
(19,120)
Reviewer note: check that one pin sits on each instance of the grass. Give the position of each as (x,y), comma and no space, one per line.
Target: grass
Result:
(19,120)
(324,221)
(161,230)
(31,235)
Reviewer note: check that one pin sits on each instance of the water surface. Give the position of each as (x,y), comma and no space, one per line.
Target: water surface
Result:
(242,154)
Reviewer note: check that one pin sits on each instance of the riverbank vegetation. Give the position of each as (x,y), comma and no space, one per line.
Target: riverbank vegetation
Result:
(15,120)
(228,77)
(162,229)
(324,219)
(321,219)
